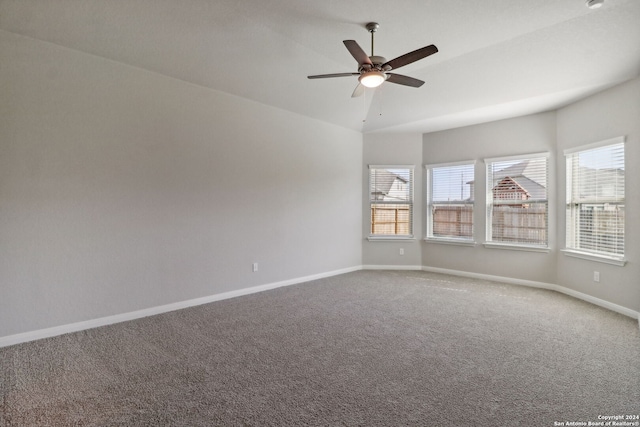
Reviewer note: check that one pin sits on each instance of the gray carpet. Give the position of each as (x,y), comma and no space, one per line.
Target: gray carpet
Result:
(361,349)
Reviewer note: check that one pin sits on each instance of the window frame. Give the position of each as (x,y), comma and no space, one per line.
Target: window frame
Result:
(429,226)
(410,203)
(522,246)
(571,227)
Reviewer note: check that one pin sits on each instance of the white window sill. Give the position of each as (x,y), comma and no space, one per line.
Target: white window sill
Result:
(458,242)
(619,261)
(390,238)
(527,248)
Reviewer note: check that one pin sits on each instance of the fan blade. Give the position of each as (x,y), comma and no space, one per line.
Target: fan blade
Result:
(356,51)
(410,57)
(326,76)
(404,80)
(358,91)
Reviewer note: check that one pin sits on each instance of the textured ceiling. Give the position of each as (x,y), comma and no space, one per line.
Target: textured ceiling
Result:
(497,59)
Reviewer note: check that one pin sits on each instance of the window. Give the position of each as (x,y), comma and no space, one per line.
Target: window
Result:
(450,202)
(517,205)
(391,201)
(595,199)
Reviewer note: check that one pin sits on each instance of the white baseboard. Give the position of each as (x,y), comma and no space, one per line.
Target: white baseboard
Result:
(109,320)
(588,298)
(392,267)
(152,311)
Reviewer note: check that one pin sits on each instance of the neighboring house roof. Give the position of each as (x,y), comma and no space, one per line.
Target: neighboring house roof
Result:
(519,169)
(532,188)
(605,183)
(520,174)
(383,182)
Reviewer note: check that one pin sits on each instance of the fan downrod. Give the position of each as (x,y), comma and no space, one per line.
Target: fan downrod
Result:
(372,27)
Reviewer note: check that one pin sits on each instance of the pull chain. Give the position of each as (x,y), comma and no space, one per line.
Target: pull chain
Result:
(364,106)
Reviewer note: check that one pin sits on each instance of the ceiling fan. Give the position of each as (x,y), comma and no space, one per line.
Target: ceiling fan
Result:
(374,70)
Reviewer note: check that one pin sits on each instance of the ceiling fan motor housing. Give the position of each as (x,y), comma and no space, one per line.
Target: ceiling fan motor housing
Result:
(378,60)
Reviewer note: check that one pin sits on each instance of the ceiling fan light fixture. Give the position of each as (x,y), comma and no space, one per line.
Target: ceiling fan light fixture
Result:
(594,4)
(372,78)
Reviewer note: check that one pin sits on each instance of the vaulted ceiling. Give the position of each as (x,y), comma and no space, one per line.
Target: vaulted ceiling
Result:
(497,59)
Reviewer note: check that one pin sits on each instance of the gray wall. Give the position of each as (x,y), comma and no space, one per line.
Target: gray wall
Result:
(392,149)
(611,113)
(614,112)
(122,189)
(523,135)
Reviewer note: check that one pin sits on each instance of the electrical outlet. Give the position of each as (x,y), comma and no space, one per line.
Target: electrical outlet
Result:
(596,276)
(255,267)
(401,251)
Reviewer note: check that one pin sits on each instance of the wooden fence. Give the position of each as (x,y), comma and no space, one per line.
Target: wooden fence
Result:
(519,223)
(602,230)
(522,224)
(390,219)
(453,221)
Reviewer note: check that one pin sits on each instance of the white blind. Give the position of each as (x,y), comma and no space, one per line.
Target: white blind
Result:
(517,205)
(391,200)
(595,199)
(450,197)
